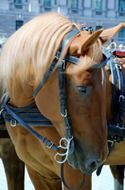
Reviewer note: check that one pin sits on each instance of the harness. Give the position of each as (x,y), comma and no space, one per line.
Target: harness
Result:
(30,116)
(116,126)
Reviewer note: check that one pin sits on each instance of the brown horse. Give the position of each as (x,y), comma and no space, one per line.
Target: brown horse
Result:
(39,51)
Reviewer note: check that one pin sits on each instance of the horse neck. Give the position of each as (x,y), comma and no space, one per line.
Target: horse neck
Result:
(48,102)
(20,95)
(49,95)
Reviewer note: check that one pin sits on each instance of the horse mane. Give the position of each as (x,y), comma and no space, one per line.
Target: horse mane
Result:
(32,48)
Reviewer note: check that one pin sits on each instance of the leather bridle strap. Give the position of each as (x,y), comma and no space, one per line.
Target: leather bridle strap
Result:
(63,104)
(116,126)
(47,142)
(49,72)
(71,59)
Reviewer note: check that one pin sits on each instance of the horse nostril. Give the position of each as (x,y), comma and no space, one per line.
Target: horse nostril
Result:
(93,164)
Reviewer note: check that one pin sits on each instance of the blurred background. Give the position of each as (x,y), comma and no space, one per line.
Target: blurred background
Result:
(97,13)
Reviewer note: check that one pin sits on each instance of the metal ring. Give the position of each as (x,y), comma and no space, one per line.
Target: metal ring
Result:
(64,114)
(1,111)
(13,123)
(121,97)
(118,66)
(50,145)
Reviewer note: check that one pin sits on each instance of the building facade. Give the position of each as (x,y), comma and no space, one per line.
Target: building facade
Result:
(98,13)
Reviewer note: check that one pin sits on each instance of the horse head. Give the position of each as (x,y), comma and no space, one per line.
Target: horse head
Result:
(85,98)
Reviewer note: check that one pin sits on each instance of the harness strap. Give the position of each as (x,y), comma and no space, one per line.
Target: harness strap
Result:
(116,130)
(46,76)
(30,114)
(69,36)
(71,59)
(118,89)
(121,100)
(47,142)
(63,105)
(49,72)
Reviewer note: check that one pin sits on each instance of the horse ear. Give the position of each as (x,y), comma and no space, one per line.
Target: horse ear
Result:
(91,39)
(82,42)
(107,34)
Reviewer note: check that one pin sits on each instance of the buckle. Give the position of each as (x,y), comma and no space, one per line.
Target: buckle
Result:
(50,144)
(121,98)
(64,114)
(1,111)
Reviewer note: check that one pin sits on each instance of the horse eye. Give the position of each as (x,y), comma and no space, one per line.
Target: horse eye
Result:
(82,89)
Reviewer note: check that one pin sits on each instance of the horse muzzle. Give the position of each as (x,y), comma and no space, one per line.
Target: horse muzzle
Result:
(87,162)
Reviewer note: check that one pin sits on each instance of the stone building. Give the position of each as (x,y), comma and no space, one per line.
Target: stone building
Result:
(99,13)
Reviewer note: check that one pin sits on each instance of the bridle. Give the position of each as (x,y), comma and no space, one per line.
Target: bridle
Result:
(65,143)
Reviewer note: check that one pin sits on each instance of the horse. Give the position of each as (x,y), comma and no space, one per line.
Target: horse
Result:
(56,68)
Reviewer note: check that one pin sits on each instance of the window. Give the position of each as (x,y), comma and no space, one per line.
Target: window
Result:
(98,27)
(55,2)
(19,23)
(121,34)
(121,7)
(47,5)
(18,4)
(97,5)
(74,6)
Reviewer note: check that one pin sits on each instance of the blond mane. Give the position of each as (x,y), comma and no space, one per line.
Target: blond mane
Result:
(33,47)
